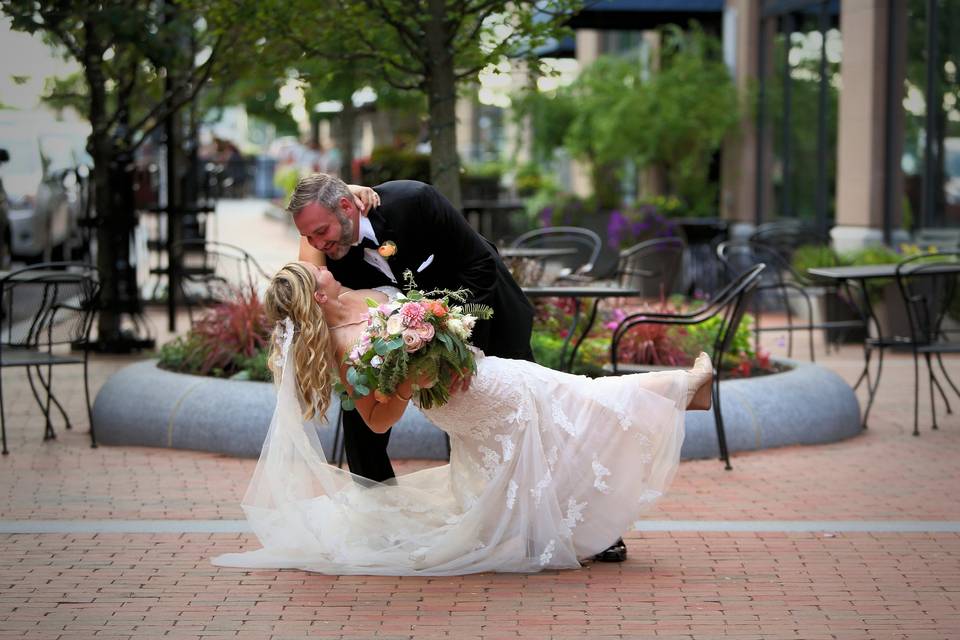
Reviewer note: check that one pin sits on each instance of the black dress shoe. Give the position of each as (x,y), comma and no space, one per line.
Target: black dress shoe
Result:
(617,552)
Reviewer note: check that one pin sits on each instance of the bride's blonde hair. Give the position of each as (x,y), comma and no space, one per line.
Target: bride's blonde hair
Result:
(291,295)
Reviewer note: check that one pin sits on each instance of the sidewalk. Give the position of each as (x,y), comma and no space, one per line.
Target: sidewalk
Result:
(856,539)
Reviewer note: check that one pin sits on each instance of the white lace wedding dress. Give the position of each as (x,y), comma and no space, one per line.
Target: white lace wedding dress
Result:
(546,468)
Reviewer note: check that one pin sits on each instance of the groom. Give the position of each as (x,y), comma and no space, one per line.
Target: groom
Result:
(414,228)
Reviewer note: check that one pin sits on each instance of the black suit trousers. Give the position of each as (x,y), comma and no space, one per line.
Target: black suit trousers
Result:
(366,449)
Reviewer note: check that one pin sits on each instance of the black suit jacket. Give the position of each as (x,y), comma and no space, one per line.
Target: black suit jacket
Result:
(423,223)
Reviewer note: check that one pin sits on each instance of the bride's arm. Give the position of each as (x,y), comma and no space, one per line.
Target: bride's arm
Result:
(382,414)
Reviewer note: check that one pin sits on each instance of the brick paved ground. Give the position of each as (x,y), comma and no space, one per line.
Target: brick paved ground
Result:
(721,579)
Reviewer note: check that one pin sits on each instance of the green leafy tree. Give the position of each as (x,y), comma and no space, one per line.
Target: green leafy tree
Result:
(674,117)
(680,121)
(141,61)
(427,46)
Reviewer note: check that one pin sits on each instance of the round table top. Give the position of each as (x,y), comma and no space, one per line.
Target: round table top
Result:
(537,252)
(579,291)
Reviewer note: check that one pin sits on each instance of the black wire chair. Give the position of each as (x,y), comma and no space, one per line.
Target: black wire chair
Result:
(729,304)
(928,286)
(781,281)
(651,267)
(214,271)
(47,308)
(787,235)
(586,245)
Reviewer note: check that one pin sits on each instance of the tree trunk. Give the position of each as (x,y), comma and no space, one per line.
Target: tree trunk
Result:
(101,150)
(115,203)
(442,100)
(345,126)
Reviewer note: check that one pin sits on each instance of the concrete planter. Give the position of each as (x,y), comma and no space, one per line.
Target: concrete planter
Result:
(143,405)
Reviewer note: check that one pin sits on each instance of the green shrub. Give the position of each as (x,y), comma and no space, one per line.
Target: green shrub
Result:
(184,354)
(813,256)
(592,355)
(255,367)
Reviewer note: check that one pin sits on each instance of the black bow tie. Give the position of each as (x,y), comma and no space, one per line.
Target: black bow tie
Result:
(367,243)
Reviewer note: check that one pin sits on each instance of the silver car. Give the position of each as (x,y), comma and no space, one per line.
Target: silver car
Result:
(46,191)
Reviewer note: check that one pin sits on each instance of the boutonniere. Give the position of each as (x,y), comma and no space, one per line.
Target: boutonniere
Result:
(388,249)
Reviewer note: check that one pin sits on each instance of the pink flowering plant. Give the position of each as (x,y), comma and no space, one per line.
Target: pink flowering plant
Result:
(420,335)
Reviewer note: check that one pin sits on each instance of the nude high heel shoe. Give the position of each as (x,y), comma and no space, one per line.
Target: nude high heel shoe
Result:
(700,384)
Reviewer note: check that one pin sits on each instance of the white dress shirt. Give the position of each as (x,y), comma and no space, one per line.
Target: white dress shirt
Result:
(372,256)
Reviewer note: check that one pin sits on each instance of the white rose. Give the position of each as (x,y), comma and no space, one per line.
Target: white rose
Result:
(395,324)
(469,321)
(376,361)
(456,327)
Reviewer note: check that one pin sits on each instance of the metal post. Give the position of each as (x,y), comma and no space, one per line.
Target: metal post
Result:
(891,164)
(761,119)
(786,196)
(931,138)
(821,203)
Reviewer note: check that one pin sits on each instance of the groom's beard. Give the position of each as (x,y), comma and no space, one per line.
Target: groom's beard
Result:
(345,243)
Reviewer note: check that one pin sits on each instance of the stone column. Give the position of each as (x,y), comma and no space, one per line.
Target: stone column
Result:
(466,116)
(738,169)
(862,146)
(588,50)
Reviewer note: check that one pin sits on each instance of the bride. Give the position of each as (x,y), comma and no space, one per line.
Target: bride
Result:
(546,468)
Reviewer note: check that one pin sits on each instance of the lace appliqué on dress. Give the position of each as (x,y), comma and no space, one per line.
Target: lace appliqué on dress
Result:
(574,513)
(512,494)
(507,445)
(561,419)
(547,554)
(537,491)
(599,473)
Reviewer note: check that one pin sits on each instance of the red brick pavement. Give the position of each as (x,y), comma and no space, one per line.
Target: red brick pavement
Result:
(675,584)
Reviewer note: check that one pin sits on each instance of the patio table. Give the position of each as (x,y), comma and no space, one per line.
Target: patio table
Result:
(528,264)
(578,293)
(860,274)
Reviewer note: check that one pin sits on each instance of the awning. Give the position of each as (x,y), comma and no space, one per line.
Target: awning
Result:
(638,15)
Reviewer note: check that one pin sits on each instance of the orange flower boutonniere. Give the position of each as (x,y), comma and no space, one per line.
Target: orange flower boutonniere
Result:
(388,249)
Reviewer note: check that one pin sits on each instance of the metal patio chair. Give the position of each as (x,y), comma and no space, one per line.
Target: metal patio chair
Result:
(729,304)
(48,312)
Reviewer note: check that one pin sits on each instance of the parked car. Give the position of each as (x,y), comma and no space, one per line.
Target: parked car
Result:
(47,190)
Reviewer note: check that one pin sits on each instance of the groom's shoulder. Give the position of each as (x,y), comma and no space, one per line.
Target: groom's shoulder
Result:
(402,189)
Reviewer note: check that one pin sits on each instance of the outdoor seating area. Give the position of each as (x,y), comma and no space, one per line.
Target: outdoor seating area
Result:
(797,515)
(480,320)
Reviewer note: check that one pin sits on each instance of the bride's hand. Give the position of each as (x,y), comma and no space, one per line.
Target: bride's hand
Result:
(461,383)
(365,198)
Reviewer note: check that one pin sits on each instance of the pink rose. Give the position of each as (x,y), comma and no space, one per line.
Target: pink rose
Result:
(426,331)
(411,341)
(413,314)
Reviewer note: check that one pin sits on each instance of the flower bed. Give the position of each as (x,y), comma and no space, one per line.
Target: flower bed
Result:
(229,340)
(662,345)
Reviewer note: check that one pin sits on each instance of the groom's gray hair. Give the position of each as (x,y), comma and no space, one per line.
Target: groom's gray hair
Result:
(322,188)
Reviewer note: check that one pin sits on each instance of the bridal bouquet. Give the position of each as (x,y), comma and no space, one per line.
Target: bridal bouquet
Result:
(418,335)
